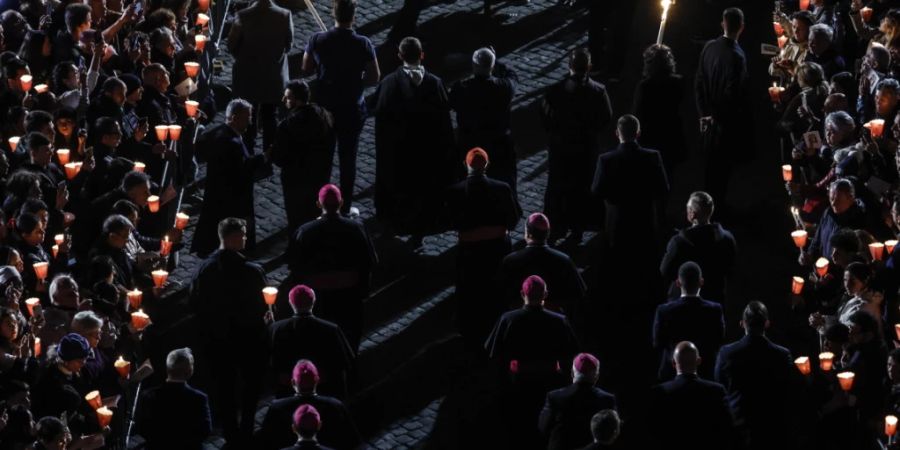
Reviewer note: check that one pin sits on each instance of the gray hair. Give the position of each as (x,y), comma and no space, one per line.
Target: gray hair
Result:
(841,122)
(702,204)
(85,321)
(180,363)
(59,281)
(236,105)
(843,185)
(820,29)
(483,61)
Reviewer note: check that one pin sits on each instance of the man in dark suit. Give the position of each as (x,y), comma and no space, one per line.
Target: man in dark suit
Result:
(339,431)
(334,256)
(306,423)
(605,428)
(720,89)
(566,417)
(690,412)
(756,374)
(481,210)
(483,108)
(705,242)
(260,39)
(574,112)
(554,266)
(229,177)
(688,317)
(155,105)
(175,415)
(305,336)
(226,299)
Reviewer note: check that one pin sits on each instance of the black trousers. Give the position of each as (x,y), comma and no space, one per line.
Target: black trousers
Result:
(264,119)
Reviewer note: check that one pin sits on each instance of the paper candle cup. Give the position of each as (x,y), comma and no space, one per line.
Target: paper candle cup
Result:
(889,245)
(59,238)
(159,277)
(191,107)
(55,250)
(821,267)
(72,169)
(802,364)
(139,320)
(41,88)
(104,416)
(269,294)
(25,81)
(799,237)
(846,380)
(134,299)
(153,203)
(804,5)
(876,249)
(826,361)
(123,367)
(63,155)
(30,304)
(13,142)
(40,270)
(797,285)
(181,220)
(782,41)
(37,347)
(866,14)
(200,42)
(787,172)
(162,132)
(192,68)
(876,127)
(202,19)
(890,425)
(93,399)
(779,30)
(174,132)
(165,246)
(203,5)
(139,166)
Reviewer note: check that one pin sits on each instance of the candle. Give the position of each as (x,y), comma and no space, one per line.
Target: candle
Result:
(104,416)
(55,250)
(93,399)
(139,320)
(30,304)
(797,285)
(822,266)
(826,361)
(174,132)
(889,245)
(13,142)
(804,5)
(139,166)
(802,364)
(153,203)
(787,172)
(662,23)
(779,30)
(41,88)
(890,425)
(876,127)
(799,237)
(269,294)
(162,132)
(40,270)
(181,220)
(25,82)
(159,277)
(37,347)
(200,42)
(846,380)
(192,68)
(782,41)
(165,246)
(203,5)
(72,169)
(191,108)
(123,367)
(877,250)
(63,155)
(59,238)
(134,299)
(866,13)
(202,19)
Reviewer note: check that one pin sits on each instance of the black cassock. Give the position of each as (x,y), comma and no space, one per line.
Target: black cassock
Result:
(565,287)
(414,151)
(229,186)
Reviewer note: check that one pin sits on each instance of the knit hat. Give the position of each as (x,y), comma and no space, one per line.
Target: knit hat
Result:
(301,297)
(73,346)
(477,158)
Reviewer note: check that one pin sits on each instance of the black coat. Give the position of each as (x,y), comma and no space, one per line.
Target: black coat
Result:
(330,244)
(712,247)
(305,336)
(480,201)
(174,416)
(567,413)
(229,185)
(690,412)
(721,81)
(566,288)
(535,338)
(157,108)
(688,319)
(657,104)
(338,430)
(575,112)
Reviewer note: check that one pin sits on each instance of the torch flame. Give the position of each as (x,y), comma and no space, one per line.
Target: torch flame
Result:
(665,6)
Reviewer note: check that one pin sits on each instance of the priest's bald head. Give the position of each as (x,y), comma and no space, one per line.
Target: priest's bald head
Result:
(686,358)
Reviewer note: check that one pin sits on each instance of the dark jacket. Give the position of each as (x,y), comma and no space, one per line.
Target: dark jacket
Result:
(567,413)
(174,416)
(712,247)
(338,430)
(853,218)
(690,412)
(480,201)
(328,245)
(567,288)
(721,80)
(574,112)
(535,338)
(688,319)
(305,336)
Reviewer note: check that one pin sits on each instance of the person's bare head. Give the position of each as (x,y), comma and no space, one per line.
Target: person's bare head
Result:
(686,358)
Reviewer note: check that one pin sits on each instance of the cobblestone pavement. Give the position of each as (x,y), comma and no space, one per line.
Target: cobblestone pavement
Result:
(409,431)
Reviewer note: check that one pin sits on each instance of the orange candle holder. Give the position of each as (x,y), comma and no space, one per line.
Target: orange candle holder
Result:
(797,285)
(139,320)
(59,239)
(269,295)
(890,425)
(826,361)
(799,237)
(104,416)
(135,298)
(876,249)
(40,270)
(889,245)
(30,304)
(779,30)
(787,173)
(139,166)
(153,203)
(804,5)
(14,142)
(37,347)
(191,107)
(822,266)
(846,380)
(202,19)
(72,169)
(123,367)
(55,250)
(174,132)
(192,68)
(162,132)
(165,246)
(181,220)
(41,88)
(866,14)
(63,155)
(876,127)
(159,277)
(200,42)
(203,5)
(782,41)
(26,81)
(803,365)
(93,398)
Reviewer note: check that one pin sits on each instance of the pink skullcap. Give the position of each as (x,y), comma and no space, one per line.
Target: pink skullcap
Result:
(477,158)
(305,376)
(330,195)
(538,221)
(534,288)
(307,419)
(301,297)
(586,363)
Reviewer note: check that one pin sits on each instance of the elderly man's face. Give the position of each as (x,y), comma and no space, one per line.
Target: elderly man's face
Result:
(240,120)
(840,201)
(66,295)
(818,43)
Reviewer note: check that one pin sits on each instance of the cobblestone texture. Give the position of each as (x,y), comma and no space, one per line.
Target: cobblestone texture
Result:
(408,432)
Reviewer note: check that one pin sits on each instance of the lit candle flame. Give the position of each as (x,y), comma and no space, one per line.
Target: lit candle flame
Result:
(665,5)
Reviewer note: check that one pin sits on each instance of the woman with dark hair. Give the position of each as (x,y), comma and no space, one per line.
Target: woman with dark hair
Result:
(36,49)
(657,104)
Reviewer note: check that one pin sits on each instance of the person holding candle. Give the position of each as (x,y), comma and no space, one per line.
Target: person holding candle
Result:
(893,375)
(31,231)
(844,212)
(155,104)
(65,44)
(109,104)
(65,302)
(135,187)
(305,336)
(867,359)
(49,175)
(757,376)
(823,50)
(174,415)
(338,430)
(804,111)
(785,64)
(98,370)
(116,234)
(60,390)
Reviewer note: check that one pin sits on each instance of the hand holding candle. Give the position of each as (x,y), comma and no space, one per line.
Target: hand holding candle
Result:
(139,320)
(775,95)
(191,107)
(134,299)
(889,246)
(40,270)
(192,68)
(25,82)
(104,416)
(181,220)
(72,169)
(200,42)
(93,399)
(30,304)
(890,425)
(153,203)
(139,166)
(866,14)
(175,132)
(37,347)
(782,41)
(779,30)
(202,19)
(162,132)
(876,127)
(787,173)
(876,249)
(269,295)
(165,246)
